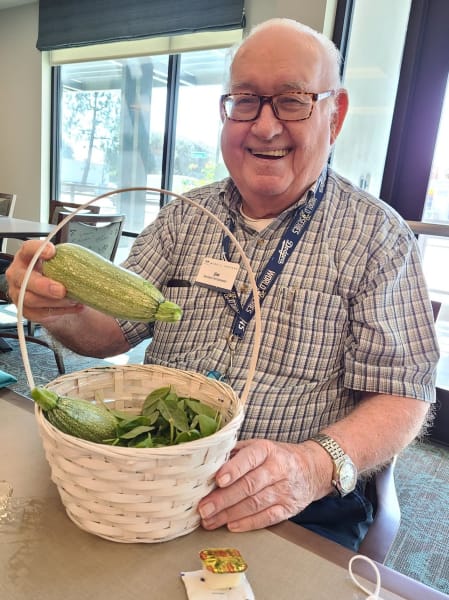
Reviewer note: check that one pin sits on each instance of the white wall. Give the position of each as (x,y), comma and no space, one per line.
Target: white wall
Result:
(311,12)
(20,109)
(25,93)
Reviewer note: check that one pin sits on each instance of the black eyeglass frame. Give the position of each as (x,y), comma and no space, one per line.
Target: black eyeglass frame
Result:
(316,97)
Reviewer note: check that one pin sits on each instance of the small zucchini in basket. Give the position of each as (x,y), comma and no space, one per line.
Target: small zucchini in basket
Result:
(77,417)
(95,281)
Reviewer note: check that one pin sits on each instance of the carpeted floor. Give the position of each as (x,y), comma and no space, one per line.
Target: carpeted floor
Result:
(421,549)
(43,365)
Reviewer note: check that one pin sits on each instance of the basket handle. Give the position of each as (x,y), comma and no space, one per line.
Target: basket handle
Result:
(257,313)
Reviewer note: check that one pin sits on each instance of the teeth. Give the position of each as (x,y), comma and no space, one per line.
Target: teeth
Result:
(277,153)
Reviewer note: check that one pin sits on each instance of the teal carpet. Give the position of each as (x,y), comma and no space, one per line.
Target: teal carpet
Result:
(421,549)
(43,365)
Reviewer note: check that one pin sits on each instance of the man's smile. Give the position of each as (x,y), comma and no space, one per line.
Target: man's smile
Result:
(270,154)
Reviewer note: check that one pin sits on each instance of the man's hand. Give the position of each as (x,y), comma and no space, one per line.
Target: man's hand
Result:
(264,483)
(267,482)
(44,298)
(78,327)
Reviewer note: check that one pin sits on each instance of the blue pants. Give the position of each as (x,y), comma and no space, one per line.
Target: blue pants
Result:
(343,520)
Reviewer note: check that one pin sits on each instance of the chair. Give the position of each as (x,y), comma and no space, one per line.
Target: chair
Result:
(57,206)
(100,233)
(7,204)
(381,490)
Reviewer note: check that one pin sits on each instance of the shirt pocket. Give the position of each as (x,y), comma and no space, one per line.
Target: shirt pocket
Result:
(304,335)
(192,339)
(198,304)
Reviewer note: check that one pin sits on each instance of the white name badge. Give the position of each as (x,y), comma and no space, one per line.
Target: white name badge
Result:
(217,274)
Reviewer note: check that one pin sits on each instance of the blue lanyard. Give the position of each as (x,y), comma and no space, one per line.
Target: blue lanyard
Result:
(294,231)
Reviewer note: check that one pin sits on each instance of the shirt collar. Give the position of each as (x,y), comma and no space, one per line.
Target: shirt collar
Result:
(232,199)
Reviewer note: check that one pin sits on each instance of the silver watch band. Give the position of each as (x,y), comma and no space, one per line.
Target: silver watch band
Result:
(329,444)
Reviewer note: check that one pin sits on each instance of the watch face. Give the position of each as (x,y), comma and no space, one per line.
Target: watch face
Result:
(347,476)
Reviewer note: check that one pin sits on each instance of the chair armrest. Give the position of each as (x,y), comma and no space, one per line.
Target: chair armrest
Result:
(387,518)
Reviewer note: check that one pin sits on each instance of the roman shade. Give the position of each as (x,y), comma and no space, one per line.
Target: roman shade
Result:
(75,23)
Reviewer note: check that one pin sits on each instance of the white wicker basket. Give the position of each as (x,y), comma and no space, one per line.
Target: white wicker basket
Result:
(139,494)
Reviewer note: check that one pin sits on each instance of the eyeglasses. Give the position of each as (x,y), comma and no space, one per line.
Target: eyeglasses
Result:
(290,106)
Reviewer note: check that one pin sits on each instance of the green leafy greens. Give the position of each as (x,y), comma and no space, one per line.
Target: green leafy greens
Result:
(166,419)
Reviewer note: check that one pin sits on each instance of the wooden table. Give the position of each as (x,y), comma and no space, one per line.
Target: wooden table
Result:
(22,229)
(44,556)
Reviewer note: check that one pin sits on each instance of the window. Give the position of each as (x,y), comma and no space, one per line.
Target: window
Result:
(372,68)
(150,121)
(436,208)
(394,142)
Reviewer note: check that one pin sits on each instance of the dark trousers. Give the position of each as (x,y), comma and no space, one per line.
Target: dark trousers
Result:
(342,520)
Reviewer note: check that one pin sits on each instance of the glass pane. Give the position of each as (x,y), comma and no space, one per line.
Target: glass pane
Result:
(112,129)
(197,151)
(109,137)
(436,249)
(371,77)
(436,208)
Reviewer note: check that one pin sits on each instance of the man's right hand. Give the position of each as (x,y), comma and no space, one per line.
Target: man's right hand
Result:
(44,299)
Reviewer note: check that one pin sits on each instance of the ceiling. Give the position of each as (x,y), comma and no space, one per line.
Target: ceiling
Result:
(11,3)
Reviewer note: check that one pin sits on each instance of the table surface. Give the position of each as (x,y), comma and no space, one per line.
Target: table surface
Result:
(11,227)
(44,556)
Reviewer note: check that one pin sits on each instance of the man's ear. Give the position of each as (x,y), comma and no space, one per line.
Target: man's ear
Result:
(339,113)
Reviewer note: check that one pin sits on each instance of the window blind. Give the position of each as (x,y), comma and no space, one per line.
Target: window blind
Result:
(74,23)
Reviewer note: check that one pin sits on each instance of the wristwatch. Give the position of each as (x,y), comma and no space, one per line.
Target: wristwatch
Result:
(344,477)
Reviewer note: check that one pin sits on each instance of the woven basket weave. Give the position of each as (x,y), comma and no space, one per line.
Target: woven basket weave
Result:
(139,494)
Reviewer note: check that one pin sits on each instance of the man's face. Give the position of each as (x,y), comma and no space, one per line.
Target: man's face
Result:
(274,162)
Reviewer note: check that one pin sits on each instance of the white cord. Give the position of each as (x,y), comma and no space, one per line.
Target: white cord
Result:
(370,595)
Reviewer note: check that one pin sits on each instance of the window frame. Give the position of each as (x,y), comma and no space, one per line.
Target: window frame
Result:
(158,46)
(422,82)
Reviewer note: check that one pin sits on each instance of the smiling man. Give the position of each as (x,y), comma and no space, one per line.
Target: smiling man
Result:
(277,135)
(346,368)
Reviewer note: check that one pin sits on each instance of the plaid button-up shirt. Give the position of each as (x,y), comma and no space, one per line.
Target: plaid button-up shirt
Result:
(348,313)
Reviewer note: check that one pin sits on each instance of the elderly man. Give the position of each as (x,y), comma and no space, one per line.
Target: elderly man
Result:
(346,370)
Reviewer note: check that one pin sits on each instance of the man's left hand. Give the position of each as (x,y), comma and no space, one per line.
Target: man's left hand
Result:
(262,484)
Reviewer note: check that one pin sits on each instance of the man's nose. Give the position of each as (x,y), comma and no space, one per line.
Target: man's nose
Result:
(267,124)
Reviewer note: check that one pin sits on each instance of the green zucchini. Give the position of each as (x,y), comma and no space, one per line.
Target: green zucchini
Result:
(77,417)
(95,281)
